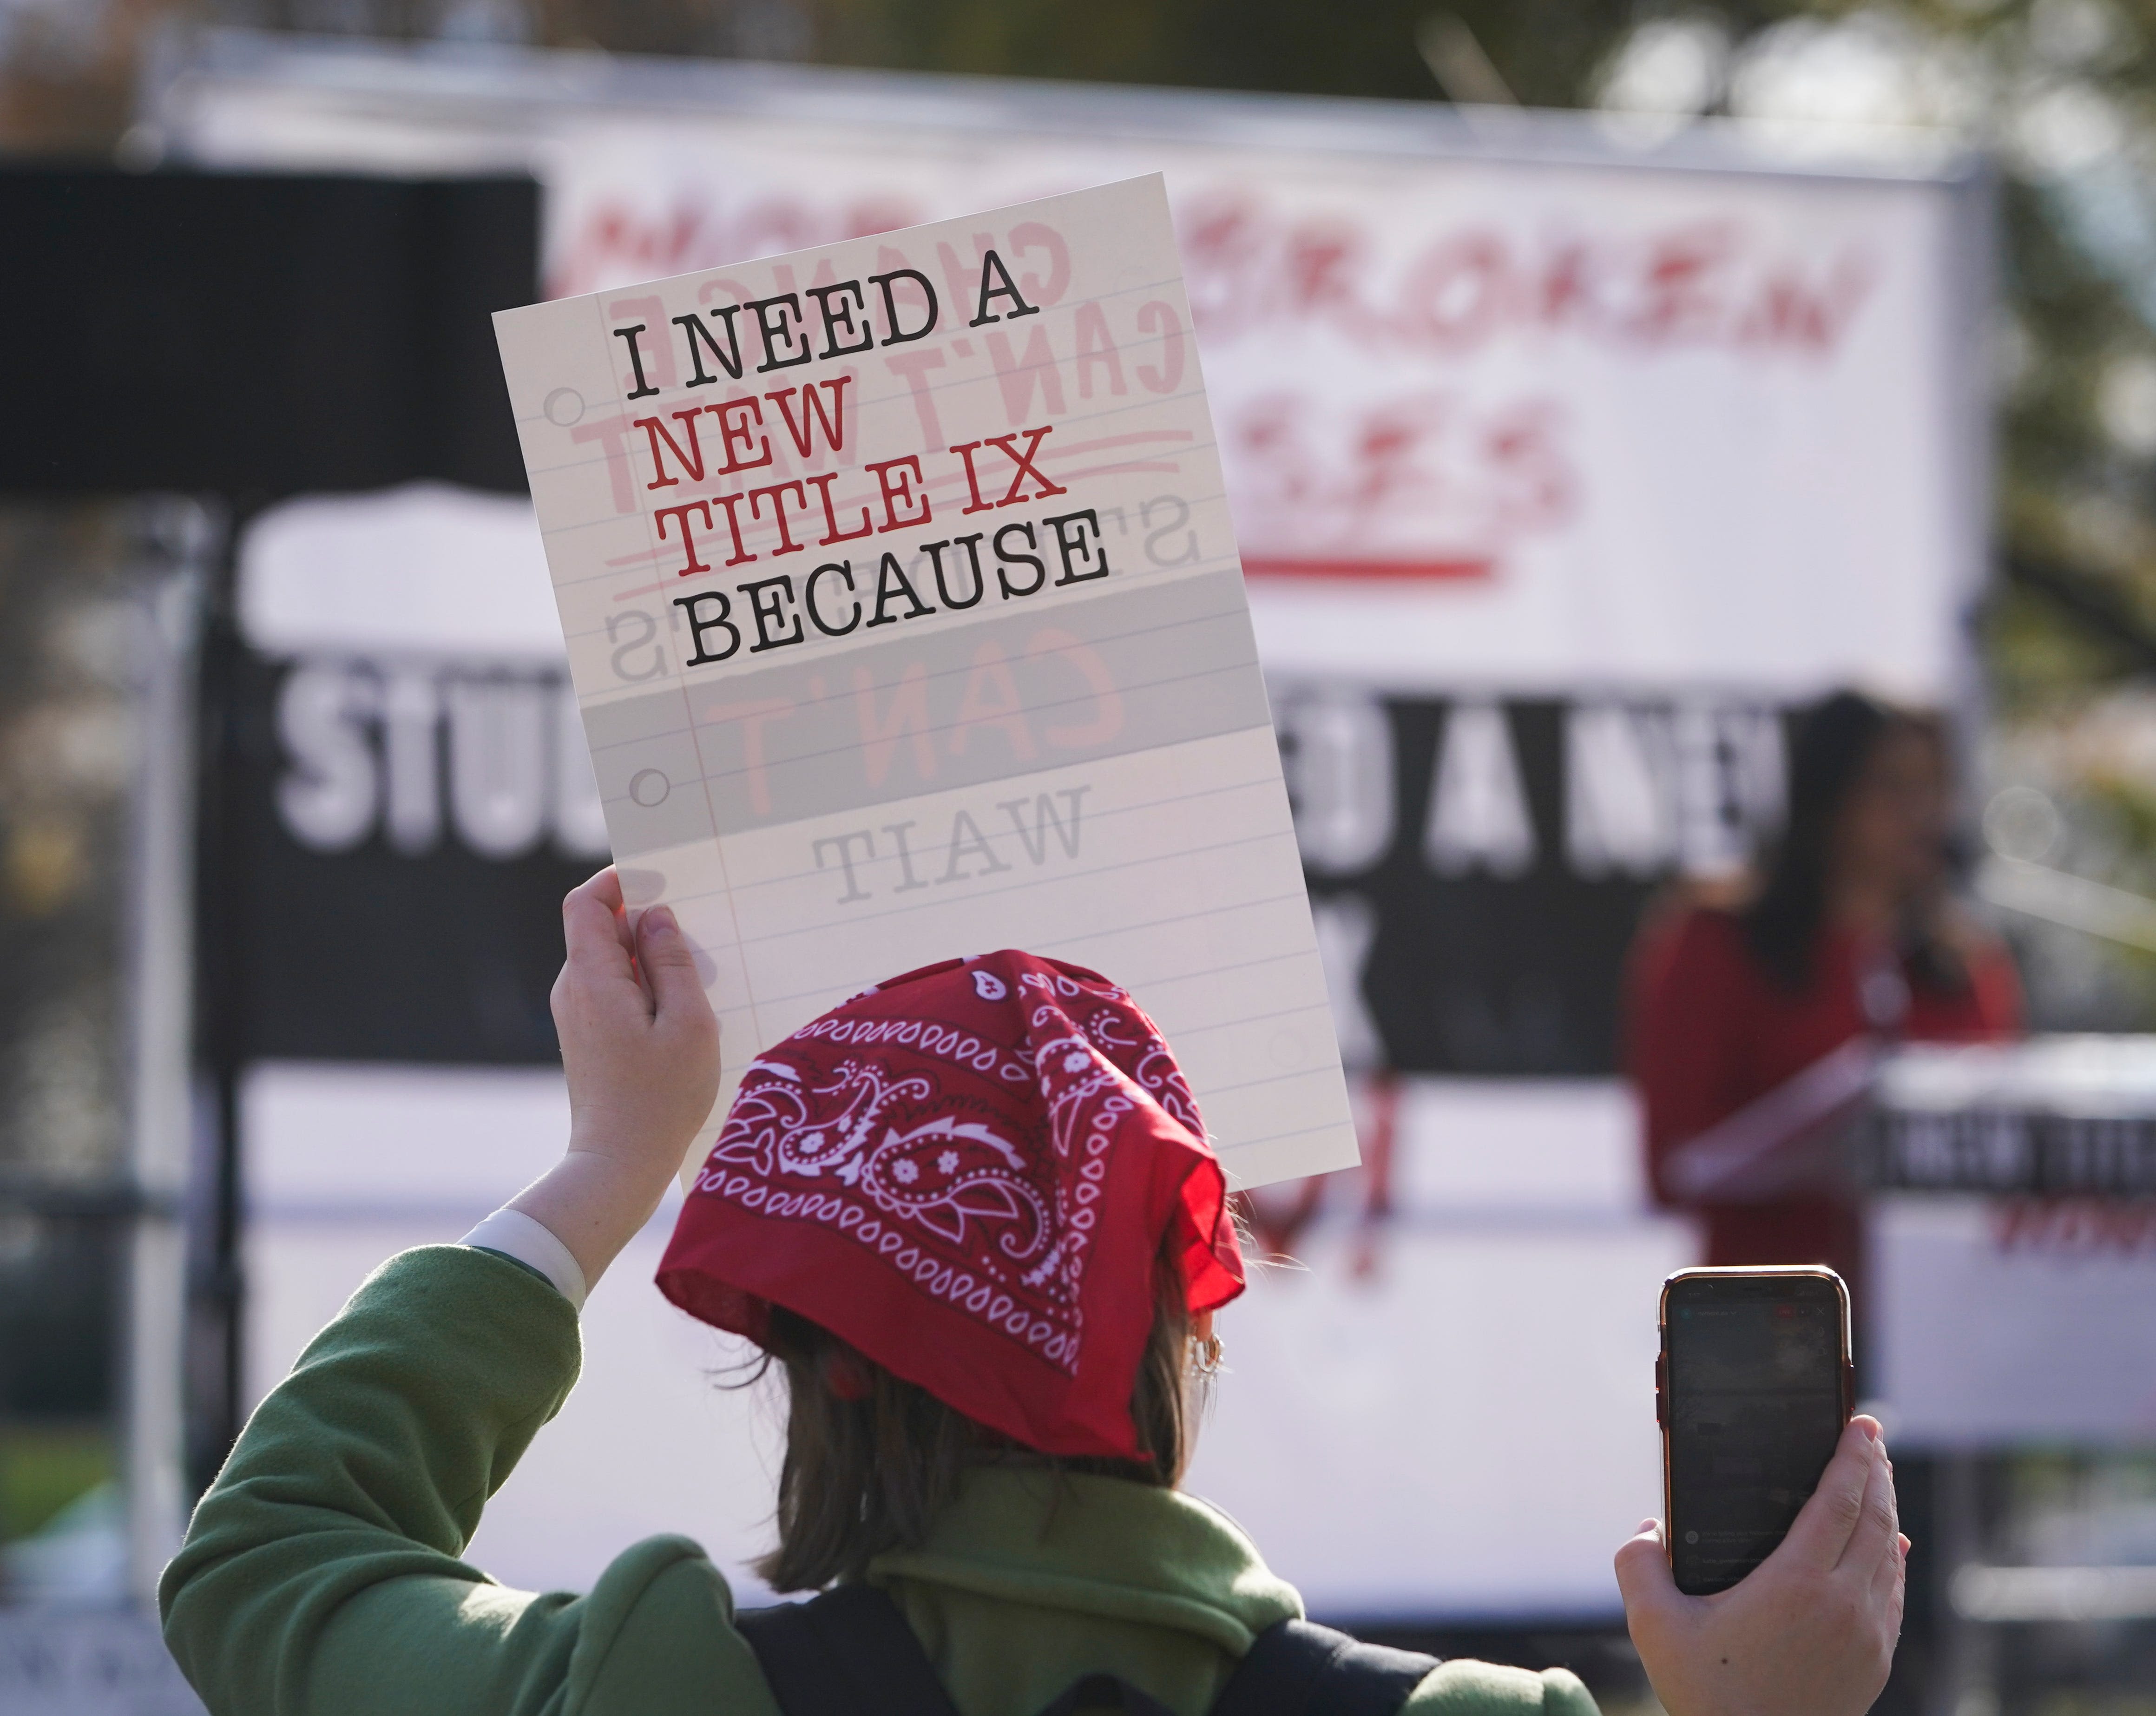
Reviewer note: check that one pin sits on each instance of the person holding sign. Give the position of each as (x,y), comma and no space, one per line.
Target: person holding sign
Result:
(973,1216)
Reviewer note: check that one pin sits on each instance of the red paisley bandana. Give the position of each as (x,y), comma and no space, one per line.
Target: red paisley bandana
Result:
(966,1172)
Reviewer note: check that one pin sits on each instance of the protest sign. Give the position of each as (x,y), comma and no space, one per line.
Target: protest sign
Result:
(905,619)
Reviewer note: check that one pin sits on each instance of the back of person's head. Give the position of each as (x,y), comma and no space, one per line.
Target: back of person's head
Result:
(1838,743)
(871,1460)
(972,1216)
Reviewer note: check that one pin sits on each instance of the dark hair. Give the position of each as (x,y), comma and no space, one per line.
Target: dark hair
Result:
(871,1459)
(1835,739)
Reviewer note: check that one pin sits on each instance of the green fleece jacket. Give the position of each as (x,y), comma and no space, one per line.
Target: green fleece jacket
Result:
(320,1575)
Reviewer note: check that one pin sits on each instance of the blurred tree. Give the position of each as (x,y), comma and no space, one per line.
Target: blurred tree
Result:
(67,757)
(1545,50)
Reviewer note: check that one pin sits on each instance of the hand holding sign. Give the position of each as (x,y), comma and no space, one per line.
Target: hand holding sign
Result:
(642,1055)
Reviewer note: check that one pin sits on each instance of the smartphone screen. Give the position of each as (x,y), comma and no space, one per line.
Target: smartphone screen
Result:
(1755,1399)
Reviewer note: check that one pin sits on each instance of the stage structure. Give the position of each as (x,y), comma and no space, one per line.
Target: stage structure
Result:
(1564,468)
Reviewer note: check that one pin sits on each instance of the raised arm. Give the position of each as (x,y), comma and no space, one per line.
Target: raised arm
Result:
(322,1573)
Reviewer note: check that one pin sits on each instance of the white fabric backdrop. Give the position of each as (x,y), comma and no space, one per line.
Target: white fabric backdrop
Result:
(1662,427)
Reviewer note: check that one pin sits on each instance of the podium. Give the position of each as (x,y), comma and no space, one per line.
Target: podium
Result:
(2050,1117)
(2056,1117)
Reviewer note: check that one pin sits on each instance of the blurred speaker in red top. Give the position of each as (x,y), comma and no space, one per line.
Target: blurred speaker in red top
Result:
(1756,1010)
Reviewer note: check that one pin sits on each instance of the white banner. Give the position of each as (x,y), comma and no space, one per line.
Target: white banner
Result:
(2016,1321)
(1485,423)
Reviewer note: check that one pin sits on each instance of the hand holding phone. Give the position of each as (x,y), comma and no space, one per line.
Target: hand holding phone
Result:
(1752,1389)
(1810,1631)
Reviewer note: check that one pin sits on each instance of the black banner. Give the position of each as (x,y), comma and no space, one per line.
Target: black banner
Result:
(406,828)
(402,832)
(1477,866)
(257,334)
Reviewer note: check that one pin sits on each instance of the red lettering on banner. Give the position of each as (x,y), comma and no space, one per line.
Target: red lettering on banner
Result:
(1533,487)
(1567,290)
(691,461)
(779,492)
(1160,319)
(1415,471)
(740,555)
(1029,235)
(1224,263)
(813,412)
(1107,721)
(1468,484)
(1683,299)
(1026,467)
(1097,346)
(1018,374)
(754,716)
(899,490)
(831,533)
(1390,438)
(1706,283)
(1246,266)
(735,435)
(1456,293)
(1788,312)
(991,699)
(908,715)
(680,514)
(913,367)
(1318,258)
(2074,1227)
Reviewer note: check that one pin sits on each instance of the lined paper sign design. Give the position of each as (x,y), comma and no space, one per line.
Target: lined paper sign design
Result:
(905,617)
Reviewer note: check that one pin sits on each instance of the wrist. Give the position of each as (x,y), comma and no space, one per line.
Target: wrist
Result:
(514,1235)
(594,1202)
(626,1155)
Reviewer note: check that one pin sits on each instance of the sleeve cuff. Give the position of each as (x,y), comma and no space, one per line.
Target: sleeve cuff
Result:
(533,1244)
